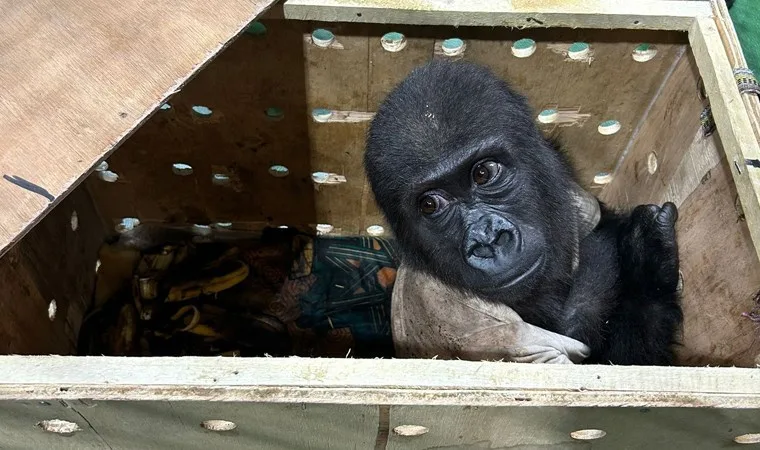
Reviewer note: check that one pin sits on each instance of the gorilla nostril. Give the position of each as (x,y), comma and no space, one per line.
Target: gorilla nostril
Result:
(503,238)
(482,251)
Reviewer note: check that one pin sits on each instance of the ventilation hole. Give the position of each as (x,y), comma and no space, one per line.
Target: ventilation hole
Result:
(218,425)
(636,22)
(321,114)
(52,310)
(283,227)
(202,230)
(375,230)
(548,116)
(58,426)
(74,221)
(393,41)
(182,169)
(103,166)
(97,266)
(453,47)
(320,177)
(108,176)
(220,179)
(410,430)
(588,435)
(524,48)
(652,163)
(127,223)
(644,52)
(202,111)
(324,228)
(609,127)
(752,438)
(274,113)
(322,38)
(166,106)
(256,29)
(578,50)
(223,225)
(279,171)
(602,178)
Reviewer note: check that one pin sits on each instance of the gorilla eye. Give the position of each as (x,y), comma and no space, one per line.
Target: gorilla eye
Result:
(485,172)
(429,204)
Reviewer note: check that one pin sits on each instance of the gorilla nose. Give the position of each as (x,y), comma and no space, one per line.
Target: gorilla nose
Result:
(487,235)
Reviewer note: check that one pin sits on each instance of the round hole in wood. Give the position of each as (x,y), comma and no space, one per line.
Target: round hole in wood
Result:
(548,116)
(609,127)
(59,426)
(256,29)
(588,435)
(203,230)
(283,227)
(453,47)
(220,179)
(279,171)
(524,48)
(321,114)
(166,106)
(97,266)
(223,225)
(108,176)
(182,169)
(393,41)
(127,223)
(652,163)
(410,430)
(644,52)
(322,38)
(202,111)
(375,230)
(274,113)
(578,50)
(324,228)
(74,221)
(101,167)
(218,425)
(752,438)
(52,310)
(602,178)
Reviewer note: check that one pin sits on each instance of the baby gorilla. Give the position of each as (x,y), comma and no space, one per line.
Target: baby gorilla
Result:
(479,199)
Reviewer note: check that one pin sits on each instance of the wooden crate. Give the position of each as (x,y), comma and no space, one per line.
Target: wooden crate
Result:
(83,78)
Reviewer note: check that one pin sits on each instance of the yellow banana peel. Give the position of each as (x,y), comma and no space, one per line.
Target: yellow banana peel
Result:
(194,289)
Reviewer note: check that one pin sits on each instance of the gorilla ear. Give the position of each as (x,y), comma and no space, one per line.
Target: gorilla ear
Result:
(587,208)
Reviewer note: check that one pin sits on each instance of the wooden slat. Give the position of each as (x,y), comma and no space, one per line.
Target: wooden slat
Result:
(398,382)
(731,119)
(641,14)
(79,76)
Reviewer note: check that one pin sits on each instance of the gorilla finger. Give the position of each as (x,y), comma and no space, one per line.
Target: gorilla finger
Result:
(668,214)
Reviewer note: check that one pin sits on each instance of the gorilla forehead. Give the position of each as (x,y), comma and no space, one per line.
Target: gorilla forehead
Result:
(444,109)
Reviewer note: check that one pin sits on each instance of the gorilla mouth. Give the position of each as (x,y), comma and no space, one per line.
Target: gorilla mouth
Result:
(537,264)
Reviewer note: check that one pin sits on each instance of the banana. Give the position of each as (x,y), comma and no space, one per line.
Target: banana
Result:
(196,288)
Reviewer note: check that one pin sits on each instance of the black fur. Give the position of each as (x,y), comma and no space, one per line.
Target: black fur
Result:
(509,239)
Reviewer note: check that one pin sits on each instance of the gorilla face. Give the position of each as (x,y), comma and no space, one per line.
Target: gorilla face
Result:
(474,194)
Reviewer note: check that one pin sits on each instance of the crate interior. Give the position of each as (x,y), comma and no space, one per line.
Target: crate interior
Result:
(238,151)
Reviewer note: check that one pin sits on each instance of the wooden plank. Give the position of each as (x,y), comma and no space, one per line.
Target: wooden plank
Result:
(397,382)
(731,119)
(608,14)
(79,77)
(54,262)
(160,425)
(337,80)
(467,427)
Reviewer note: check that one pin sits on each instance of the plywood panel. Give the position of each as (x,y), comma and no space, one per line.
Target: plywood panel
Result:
(78,77)
(53,262)
(239,139)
